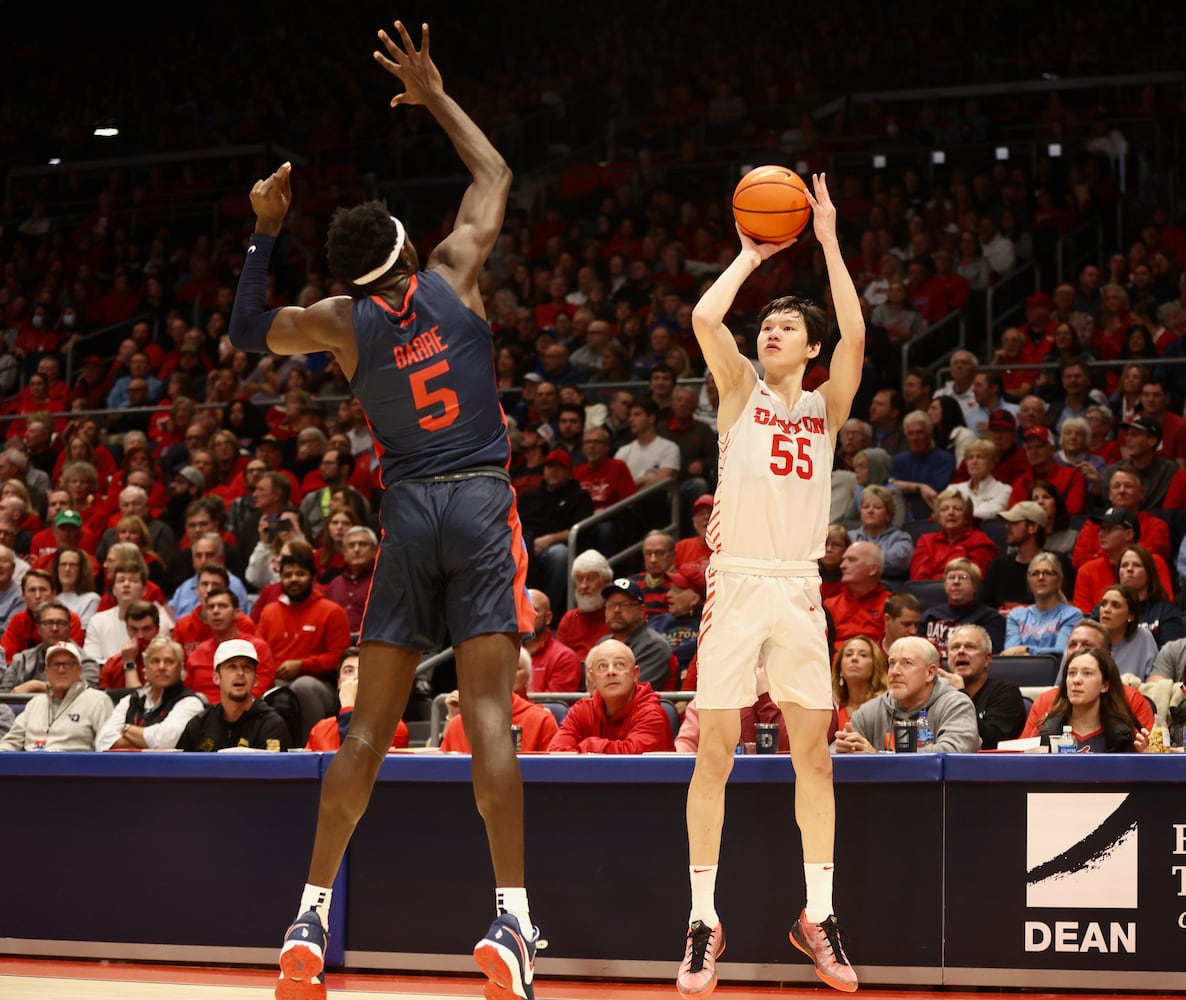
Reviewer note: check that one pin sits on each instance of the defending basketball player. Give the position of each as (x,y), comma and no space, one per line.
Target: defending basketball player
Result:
(766,531)
(452,566)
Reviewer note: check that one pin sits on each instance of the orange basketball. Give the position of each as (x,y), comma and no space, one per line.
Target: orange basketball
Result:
(769,204)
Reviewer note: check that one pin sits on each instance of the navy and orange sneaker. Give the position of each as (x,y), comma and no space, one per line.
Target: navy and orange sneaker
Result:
(507,959)
(302,960)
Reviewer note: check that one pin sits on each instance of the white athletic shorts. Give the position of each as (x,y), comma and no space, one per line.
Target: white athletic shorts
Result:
(767,612)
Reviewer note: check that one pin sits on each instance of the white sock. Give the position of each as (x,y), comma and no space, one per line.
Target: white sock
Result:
(514,902)
(819,891)
(317,899)
(704,888)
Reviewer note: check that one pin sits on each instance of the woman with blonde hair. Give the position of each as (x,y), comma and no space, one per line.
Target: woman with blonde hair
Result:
(988,494)
(1044,626)
(859,674)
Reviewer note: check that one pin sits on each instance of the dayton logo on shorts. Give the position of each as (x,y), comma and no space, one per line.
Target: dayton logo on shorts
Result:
(1081,850)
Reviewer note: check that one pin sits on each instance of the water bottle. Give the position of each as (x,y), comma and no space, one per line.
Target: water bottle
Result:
(1067,743)
(925,741)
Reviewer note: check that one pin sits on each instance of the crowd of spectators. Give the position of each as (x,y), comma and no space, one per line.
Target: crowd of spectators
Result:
(175,488)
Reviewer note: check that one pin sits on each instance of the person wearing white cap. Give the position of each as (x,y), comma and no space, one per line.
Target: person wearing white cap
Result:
(239,719)
(68,715)
(417,348)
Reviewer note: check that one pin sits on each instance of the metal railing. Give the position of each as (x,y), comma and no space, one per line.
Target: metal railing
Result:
(1070,254)
(1005,298)
(943,328)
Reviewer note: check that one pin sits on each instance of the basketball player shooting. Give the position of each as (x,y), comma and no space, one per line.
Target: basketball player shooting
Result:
(766,532)
(452,566)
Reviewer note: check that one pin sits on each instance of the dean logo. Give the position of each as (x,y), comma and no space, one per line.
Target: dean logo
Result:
(1081,851)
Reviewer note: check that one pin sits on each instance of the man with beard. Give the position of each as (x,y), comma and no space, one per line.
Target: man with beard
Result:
(238,720)
(307,633)
(155,716)
(582,626)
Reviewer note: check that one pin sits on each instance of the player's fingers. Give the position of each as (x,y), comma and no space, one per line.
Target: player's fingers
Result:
(389,43)
(424,39)
(405,37)
(392,67)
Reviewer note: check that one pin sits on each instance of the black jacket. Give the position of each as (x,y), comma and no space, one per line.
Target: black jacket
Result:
(260,727)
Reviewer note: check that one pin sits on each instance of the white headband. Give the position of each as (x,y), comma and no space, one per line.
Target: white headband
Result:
(383,268)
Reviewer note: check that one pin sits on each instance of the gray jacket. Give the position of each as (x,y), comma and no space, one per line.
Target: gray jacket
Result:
(951,713)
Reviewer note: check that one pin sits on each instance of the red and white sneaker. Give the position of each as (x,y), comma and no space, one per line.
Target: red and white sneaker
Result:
(698,974)
(822,944)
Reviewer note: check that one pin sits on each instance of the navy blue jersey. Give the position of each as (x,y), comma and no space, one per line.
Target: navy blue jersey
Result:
(426,380)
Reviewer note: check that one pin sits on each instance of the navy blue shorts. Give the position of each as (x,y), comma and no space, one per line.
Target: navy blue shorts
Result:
(451,565)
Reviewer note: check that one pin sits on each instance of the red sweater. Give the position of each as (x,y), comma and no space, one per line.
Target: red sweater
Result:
(539,727)
(555,667)
(933,551)
(641,725)
(314,632)
(858,615)
(579,630)
(22,634)
(327,734)
(191,630)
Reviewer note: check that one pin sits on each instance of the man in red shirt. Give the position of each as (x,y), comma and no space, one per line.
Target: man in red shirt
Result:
(224,622)
(537,724)
(307,633)
(1038,327)
(554,667)
(1118,529)
(351,588)
(1155,404)
(605,478)
(1039,452)
(622,717)
(125,669)
(694,551)
(859,608)
(582,626)
(1125,490)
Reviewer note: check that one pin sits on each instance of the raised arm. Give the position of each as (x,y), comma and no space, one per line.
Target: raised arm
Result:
(733,373)
(460,256)
(844,372)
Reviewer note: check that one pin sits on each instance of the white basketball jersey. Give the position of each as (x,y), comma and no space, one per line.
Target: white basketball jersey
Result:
(774,481)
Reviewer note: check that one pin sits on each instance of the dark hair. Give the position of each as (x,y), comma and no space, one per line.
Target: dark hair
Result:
(348,652)
(814,318)
(219,591)
(39,574)
(646,405)
(359,240)
(662,366)
(924,375)
(86,572)
(1133,600)
(953,417)
(895,604)
(219,570)
(305,562)
(1062,516)
(143,609)
(572,408)
(1156,590)
(1114,705)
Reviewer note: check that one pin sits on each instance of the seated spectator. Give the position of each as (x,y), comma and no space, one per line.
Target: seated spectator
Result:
(154,716)
(649,457)
(67,715)
(878,509)
(223,621)
(871,467)
(1158,614)
(658,556)
(989,496)
(25,673)
(273,591)
(239,719)
(1044,626)
(1133,648)
(538,724)
(582,626)
(206,548)
(913,685)
(625,620)
(1126,492)
(1090,699)
(37,587)
(548,514)
(306,633)
(125,669)
(1060,536)
(1039,447)
(695,551)
(107,632)
(858,675)
(351,588)
(1119,529)
(274,531)
(11,598)
(192,630)
(1006,581)
(956,538)
(75,580)
(1074,438)
(1142,435)
(835,545)
(554,667)
(901,617)
(623,716)
(961,580)
(1000,711)
(680,624)
(859,608)
(764,710)
(328,734)
(922,471)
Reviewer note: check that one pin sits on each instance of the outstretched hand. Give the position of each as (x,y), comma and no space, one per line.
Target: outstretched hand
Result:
(823,212)
(764,250)
(414,67)
(270,199)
